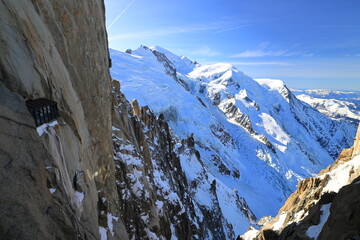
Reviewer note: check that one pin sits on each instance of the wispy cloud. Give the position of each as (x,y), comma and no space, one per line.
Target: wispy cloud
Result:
(165,31)
(233,28)
(262,63)
(264,50)
(216,27)
(358,55)
(206,51)
(261,53)
(308,55)
(338,26)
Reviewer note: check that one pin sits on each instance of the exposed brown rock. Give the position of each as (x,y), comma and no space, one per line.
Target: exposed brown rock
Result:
(306,202)
(356,150)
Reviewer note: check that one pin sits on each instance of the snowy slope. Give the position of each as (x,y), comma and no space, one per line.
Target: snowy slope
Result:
(336,104)
(256,140)
(307,212)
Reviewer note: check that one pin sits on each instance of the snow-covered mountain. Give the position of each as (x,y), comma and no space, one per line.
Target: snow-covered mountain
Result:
(322,207)
(255,140)
(109,169)
(335,104)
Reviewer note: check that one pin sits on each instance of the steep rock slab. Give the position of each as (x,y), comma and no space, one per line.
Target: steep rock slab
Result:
(55,50)
(160,196)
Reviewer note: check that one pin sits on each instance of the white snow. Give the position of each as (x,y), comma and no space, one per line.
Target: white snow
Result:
(314,231)
(159,204)
(331,107)
(273,84)
(137,185)
(266,177)
(79,196)
(110,219)
(273,129)
(300,215)
(250,234)
(279,224)
(103,234)
(43,128)
(52,190)
(335,104)
(339,177)
(173,233)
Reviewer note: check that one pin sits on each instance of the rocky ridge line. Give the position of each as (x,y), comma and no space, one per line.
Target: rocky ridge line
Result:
(324,207)
(152,183)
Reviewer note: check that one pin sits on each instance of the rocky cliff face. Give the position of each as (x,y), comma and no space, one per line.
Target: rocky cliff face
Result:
(324,207)
(252,136)
(156,198)
(51,184)
(104,169)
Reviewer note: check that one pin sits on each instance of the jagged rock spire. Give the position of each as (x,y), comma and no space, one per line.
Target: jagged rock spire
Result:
(356,150)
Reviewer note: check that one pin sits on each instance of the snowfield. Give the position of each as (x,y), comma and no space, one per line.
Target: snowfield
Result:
(335,104)
(255,138)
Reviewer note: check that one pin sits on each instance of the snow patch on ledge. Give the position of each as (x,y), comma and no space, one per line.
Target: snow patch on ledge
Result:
(110,219)
(279,224)
(314,231)
(250,234)
(339,177)
(103,235)
(43,128)
(80,196)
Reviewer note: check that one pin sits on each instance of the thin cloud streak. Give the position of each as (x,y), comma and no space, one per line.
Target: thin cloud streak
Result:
(234,28)
(262,63)
(263,50)
(206,51)
(164,32)
(339,26)
(261,53)
(122,13)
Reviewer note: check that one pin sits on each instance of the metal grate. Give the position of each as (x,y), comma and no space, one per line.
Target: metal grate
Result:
(42,110)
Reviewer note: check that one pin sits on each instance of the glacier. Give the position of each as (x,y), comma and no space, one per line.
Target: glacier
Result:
(255,139)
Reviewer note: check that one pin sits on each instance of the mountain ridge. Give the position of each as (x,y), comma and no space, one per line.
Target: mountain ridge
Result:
(335,104)
(111,169)
(322,207)
(222,111)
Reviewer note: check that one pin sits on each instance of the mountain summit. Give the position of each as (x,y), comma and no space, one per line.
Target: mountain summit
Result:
(211,152)
(252,136)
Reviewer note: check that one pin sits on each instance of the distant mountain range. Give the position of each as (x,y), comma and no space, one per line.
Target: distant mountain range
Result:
(255,140)
(335,104)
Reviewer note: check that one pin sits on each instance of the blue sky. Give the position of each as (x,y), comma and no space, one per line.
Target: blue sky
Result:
(307,44)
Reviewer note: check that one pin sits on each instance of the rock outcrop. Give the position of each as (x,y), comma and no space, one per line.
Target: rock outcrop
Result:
(256,138)
(152,187)
(156,198)
(104,169)
(323,207)
(108,169)
(51,184)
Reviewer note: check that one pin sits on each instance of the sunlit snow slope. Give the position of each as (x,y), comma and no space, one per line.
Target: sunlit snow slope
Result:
(336,104)
(255,137)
